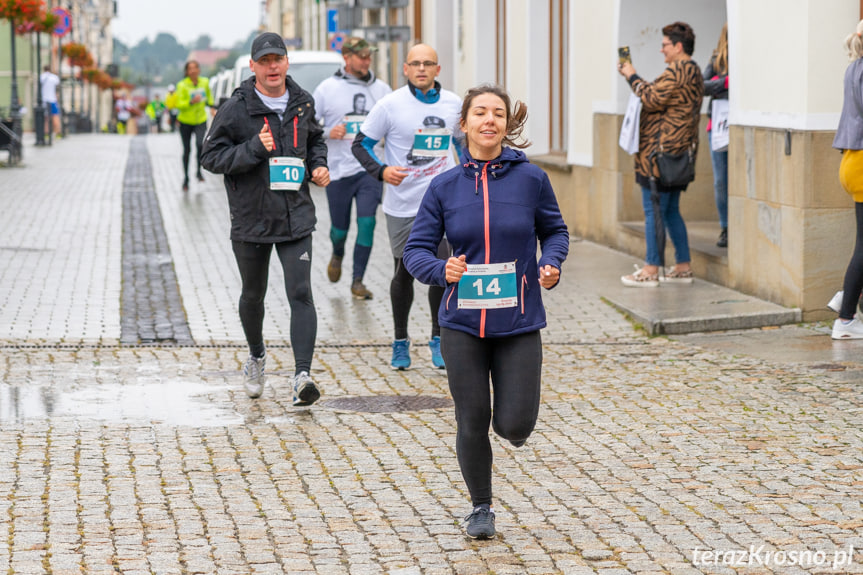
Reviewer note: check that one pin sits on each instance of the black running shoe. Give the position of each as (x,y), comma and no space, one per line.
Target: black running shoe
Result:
(480,522)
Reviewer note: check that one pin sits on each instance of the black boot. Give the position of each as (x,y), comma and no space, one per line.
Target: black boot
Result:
(723,239)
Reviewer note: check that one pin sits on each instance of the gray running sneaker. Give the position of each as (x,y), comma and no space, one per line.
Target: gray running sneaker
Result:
(254,377)
(305,390)
(480,523)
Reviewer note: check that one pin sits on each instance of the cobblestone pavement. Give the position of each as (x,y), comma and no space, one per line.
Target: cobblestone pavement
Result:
(649,454)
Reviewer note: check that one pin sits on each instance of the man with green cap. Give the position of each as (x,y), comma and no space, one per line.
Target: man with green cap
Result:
(342,102)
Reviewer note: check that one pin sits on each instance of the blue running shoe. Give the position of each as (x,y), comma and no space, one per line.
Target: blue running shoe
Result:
(401,354)
(437,358)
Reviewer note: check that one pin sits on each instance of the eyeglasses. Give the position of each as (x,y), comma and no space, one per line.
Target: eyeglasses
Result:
(418,64)
(664,44)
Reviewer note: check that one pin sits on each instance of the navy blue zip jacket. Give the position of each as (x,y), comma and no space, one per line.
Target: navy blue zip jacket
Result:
(492,212)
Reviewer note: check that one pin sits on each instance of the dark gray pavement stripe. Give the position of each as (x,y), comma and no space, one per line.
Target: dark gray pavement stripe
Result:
(151,307)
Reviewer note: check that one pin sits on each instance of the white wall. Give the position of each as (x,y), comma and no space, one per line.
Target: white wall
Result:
(439,32)
(796,81)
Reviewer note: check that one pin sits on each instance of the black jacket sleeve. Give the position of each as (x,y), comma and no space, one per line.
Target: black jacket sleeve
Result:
(316,144)
(222,154)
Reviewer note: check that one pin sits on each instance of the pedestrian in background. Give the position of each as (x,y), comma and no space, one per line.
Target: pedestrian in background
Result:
(493,209)
(716,86)
(342,102)
(50,81)
(171,105)
(155,109)
(123,111)
(669,122)
(267,143)
(193,97)
(417,122)
(849,139)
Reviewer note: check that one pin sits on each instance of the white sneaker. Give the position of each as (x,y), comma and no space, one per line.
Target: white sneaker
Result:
(851,330)
(835,302)
(254,377)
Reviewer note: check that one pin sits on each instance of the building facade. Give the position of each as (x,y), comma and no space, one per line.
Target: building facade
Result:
(787,210)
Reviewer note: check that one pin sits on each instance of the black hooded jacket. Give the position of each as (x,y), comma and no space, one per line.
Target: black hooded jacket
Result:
(233,148)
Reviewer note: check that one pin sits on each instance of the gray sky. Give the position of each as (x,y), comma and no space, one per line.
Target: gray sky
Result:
(226,21)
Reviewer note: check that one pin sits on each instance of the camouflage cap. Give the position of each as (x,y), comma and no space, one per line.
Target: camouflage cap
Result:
(358,46)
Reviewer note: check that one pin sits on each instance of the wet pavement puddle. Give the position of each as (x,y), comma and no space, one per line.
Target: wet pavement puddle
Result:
(174,403)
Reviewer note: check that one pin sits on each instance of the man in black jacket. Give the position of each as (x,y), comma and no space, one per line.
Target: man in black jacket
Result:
(266,142)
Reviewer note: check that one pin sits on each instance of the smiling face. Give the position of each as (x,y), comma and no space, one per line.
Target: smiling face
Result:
(670,50)
(270,72)
(484,126)
(421,67)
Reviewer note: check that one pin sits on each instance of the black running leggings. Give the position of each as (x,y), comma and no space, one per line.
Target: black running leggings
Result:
(514,365)
(854,274)
(186,131)
(402,295)
(296,258)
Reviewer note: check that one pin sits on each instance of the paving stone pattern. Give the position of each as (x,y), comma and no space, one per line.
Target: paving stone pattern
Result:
(152,309)
(146,459)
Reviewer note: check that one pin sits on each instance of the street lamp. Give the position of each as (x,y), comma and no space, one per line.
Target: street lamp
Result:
(15,112)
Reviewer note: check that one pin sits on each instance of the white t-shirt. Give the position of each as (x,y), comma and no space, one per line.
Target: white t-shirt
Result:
(277,105)
(335,98)
(397,118)
(50,82)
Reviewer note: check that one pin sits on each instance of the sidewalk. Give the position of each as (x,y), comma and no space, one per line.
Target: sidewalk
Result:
(649,452)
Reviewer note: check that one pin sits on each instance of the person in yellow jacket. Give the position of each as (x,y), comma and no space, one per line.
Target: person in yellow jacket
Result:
(171,104)
(193,97)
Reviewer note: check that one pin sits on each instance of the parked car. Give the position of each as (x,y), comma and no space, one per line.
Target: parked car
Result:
(308,68)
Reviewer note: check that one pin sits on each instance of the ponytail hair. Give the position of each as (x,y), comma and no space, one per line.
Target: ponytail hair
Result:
(854,43)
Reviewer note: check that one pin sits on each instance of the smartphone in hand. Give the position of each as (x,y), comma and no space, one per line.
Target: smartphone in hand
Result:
(623,55)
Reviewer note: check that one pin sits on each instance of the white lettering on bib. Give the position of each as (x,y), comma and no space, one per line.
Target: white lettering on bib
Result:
(287,173)
(488,286)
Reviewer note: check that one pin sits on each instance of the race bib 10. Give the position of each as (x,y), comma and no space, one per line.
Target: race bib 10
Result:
(488,286)
(287,173)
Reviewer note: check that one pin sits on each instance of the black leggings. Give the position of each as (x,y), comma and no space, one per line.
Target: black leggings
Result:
(854,274)
(186,131)
(402,295)
(515,365)
(296,257)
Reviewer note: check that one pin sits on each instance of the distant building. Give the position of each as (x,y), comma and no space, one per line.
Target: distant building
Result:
(208,58)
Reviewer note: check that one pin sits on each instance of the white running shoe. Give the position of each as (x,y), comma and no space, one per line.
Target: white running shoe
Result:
(254,378)
(835,302)
(851,330)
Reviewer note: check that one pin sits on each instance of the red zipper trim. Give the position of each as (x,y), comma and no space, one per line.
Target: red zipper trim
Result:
(523,283)
(487,238)
(452,291)
(295,131)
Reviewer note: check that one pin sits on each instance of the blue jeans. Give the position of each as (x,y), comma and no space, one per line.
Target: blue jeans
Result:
(720,184)
(669,205)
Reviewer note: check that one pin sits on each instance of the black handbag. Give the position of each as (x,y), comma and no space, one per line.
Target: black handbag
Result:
(676,170)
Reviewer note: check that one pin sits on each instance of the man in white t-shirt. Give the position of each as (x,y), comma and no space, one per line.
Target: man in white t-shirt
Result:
(49,82)
(418,123)
(342,102)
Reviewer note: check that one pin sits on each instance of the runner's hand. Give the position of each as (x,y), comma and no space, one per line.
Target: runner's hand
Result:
(548,276)
(394,175)
(338,132)
(455,268)
(321,176)
(267,138)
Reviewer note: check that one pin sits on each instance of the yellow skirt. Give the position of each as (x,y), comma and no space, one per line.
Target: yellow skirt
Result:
(851,173)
